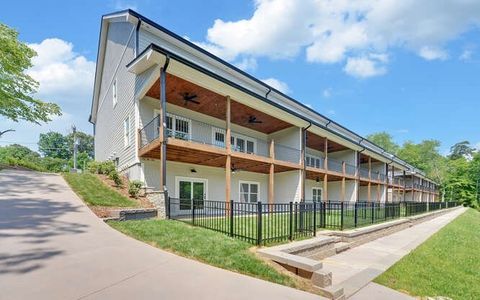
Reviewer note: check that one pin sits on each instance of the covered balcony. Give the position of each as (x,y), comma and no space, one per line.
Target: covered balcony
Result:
(196,126)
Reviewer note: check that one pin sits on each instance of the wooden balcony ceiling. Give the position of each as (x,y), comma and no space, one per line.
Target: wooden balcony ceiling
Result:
(318,143)
(319,176)
(213,104)
(364,159)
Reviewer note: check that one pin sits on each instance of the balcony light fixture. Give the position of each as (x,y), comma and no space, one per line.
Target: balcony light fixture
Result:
(193,170)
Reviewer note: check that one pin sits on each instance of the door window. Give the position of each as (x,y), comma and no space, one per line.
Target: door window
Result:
(317,194)
(191,189)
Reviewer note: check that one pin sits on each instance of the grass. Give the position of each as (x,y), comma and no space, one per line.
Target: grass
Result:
(447,264)
(204,245)
(94,192)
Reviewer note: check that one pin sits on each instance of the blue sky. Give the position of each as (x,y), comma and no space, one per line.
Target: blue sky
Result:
(410,68)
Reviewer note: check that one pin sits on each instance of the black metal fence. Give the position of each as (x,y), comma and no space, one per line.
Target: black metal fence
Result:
(262,223)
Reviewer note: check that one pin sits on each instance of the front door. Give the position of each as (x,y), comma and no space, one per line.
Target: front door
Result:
(189,189)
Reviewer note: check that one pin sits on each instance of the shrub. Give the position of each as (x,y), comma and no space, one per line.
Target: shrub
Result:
(134,188)
(113,175)
(106,167)
(54,164)
(93,167)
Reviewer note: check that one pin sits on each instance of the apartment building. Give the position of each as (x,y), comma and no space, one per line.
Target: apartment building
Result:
(189,124)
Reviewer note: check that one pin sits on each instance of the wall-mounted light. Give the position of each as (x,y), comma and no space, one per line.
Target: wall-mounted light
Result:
(317,179)
(193,170)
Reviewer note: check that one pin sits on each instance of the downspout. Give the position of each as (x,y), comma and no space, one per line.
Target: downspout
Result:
(137,30)
(304,152)
(163,100)
(268,92)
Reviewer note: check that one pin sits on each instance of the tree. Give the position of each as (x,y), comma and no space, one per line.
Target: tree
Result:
(18,152)
(384,140)
(461,149)
(54,144)
(17,87)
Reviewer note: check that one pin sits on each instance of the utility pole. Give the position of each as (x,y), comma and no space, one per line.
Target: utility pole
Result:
(75,147)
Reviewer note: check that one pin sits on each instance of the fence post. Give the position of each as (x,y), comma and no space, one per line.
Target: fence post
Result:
(167,207)
(356,214)
(314,218)
(231,217)
(193,211)
(373,212)
(341,215)
(290,223)
(259,223)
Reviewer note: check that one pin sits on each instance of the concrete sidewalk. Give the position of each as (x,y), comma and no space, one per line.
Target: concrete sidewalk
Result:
(53,247)
(357,267)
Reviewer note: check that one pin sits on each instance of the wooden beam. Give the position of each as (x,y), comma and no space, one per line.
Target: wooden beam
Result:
(228,163)
(325,165)
(271,175)
(343,181)
(369,191)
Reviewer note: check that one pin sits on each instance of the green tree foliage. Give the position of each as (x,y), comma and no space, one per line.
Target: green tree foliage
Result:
(461,149)
(54,145)
(17,87)
(457,173)
(384,140)
(18,152)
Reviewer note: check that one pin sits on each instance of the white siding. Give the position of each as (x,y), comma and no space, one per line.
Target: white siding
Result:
(287,186)
(109,126)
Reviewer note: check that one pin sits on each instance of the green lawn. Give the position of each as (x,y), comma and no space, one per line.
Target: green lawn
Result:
(94,192)
(447,264)
(204,245)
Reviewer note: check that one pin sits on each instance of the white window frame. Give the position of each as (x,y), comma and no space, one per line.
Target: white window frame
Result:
(174,130)
(313,157)
(191,179)
(114,93)
(315,188)
(240,182)
(126,131)
(216,130)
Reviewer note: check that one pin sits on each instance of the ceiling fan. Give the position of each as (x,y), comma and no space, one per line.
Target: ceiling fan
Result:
(187,97)
(253,120)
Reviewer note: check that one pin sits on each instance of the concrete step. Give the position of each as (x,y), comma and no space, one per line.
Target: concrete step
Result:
(342,246)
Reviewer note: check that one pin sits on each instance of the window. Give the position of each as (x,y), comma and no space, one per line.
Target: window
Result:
(219,137)
(178,127)
(249,191)
(239,143)
(114,92)
(317,194)
(126,132)
(313,161)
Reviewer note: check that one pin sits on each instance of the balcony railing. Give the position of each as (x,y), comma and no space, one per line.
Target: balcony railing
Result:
(364,173)
(182,128)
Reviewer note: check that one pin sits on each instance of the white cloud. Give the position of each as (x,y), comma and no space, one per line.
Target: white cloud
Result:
(363,67)
(331,112)
(466,55)
(64,76)
(277,84)
(403,130)
(336,31)
(327,93)
(433,53)
(477,145)
(247,63)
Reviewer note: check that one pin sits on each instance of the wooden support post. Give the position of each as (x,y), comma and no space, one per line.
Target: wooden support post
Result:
(343,181)
(271,176)
(325,164)
(228,163)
